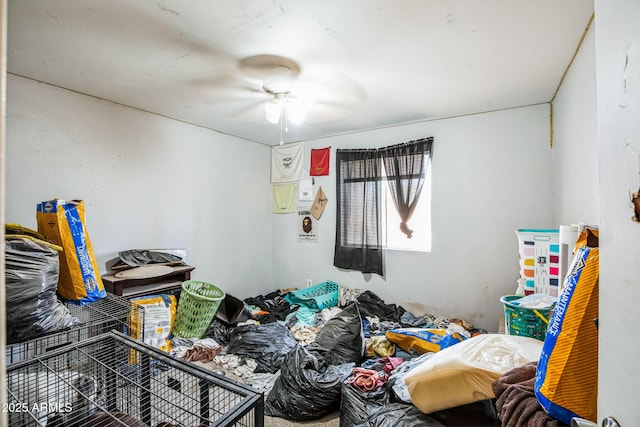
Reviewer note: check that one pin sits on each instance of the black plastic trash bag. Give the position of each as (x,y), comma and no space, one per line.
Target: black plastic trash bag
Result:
(399,415)
(482,412)
(32,306)
(232,310)
(357,405)
(267,344)
(373,306)
(307,387)
(219,331)
(341,339)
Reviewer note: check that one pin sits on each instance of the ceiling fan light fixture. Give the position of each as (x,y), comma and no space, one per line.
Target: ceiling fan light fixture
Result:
(283,107)
(273,110)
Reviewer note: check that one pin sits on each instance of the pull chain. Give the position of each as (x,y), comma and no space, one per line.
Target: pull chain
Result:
(284,122)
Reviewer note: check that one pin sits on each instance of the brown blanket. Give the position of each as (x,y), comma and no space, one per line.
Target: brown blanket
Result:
(516,402)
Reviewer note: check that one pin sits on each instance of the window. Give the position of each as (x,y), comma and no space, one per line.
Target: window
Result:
(378,192)
(358,211)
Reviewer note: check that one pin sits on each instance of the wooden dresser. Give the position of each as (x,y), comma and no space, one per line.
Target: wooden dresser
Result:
(130,288)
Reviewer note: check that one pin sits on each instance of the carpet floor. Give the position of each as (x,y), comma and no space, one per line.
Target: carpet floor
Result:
(330,420)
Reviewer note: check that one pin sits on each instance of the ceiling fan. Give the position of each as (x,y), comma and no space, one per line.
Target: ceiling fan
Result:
(287,102)
(275,89)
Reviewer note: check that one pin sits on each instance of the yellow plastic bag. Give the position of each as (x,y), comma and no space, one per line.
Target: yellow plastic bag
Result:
(154,320)
(566,383)
(464,373)
(424,340)
(62,222)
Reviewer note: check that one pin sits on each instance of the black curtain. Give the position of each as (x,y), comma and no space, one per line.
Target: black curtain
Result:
(358,220)
(405,167)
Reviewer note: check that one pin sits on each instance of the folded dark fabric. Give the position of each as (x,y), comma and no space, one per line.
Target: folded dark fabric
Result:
(514,376)
(516,402)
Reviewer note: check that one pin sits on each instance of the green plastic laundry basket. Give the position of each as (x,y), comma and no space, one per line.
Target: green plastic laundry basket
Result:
(525,321)
(197,307)
(320,296)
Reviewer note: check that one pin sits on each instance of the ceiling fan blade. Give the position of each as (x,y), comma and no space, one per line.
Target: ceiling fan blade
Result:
(327,85)
(226,86)
(262,66)
(250,111)
(328,96)
(243,91)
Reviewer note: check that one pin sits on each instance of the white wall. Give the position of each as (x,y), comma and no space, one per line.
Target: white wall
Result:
(154,182)
(610,153)
(491,175)
(575,154)
(147,182)
(618,94)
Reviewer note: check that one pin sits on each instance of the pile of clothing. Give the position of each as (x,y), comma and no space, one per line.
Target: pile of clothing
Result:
(310,362)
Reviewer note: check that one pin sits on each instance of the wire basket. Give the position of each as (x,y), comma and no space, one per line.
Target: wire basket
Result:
(197,307)
(525,321)
(110,313)
(320,296)
(98,382)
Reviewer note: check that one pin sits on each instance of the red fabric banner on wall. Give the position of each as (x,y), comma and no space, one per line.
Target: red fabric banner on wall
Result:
(320,161)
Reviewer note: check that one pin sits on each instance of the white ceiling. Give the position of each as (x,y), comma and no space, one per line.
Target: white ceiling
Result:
(369,63)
